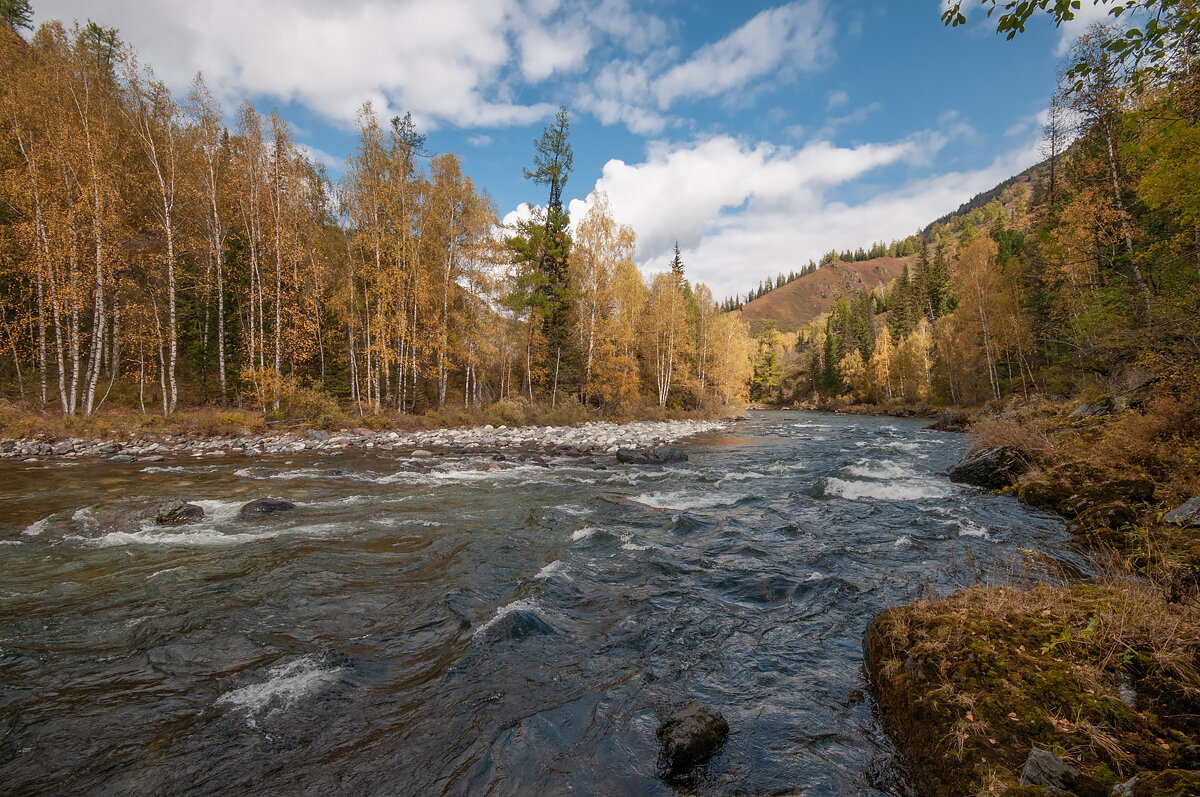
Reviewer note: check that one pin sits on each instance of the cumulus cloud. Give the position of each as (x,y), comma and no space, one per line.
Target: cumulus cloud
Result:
(775,44)
(742,211)
(448,61)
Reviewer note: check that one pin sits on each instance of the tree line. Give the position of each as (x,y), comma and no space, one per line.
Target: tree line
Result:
(155,255)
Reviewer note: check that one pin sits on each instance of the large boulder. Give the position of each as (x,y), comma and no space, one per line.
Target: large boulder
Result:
(950,420)
(266,506)
(1186,514)
(1056,776)
(179,513)
(992,468)
(688,738)
(656,455)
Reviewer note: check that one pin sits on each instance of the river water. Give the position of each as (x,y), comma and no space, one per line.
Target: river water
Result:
(466,630)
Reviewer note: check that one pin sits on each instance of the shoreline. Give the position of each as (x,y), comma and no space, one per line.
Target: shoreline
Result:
(593,437)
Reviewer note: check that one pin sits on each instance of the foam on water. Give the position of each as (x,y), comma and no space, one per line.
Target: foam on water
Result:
(583,533)
(906,490)
(554,568)
(285,684)
(903,541)
(879,469)
(201,535)
(688,499)
(38,526)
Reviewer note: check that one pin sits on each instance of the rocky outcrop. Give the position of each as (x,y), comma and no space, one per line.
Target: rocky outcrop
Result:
(266,506)
(656,455)
(992,468)
(688,738)
(1186,514)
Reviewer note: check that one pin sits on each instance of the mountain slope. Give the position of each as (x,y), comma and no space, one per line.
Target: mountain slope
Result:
(803,299)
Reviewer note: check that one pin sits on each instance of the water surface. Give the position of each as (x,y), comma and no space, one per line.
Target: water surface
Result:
(483,627)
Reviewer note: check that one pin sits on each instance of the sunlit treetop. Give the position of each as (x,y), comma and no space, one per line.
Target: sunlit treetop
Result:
(1145,48)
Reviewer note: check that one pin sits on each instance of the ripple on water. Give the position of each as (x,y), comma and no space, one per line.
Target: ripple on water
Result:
(286,684)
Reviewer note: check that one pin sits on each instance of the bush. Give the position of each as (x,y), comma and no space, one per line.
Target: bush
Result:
(506,412)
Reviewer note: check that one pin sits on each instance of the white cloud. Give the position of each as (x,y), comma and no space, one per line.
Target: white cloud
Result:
(774,45)
(448,61)
(1085,15)
(740,212)
(783,40)
(837,99)
(480,141)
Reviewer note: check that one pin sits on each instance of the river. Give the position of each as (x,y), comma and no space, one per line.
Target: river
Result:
(481,627)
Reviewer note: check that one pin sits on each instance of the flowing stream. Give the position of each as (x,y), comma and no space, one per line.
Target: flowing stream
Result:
(467,626)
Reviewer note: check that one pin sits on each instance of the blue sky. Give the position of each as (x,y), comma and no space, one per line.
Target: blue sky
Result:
(759,135)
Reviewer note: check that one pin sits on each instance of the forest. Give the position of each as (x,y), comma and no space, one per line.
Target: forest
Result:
(155,258)
(1086,267)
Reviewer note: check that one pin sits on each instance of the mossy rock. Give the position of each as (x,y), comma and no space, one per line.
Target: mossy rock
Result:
(1168,783)
(968,685)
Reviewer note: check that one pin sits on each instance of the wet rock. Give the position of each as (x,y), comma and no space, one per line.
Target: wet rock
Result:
(318,435)
(252,452)
(687,739)
(120,459)
(152,458)
(64,448)
(656,455)
(992,468)
(421,453)
(109,448)
(266,506)
(178,514)
(950,420)
(1186,514)
(1047,770)
(8,446)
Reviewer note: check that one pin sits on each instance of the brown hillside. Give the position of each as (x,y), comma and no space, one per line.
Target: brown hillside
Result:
(803,299)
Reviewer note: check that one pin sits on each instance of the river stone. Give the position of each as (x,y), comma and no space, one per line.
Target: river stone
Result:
(266,506)
(950,420)
(319,435)
(120,459)
(688,738)
(178,514)
(1045,769)
(64,448)
(651,456)
(992,468)
(252,452)
(421,453)
(1186,514)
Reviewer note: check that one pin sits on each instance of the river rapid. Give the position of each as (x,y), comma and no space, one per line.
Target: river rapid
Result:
(467,626)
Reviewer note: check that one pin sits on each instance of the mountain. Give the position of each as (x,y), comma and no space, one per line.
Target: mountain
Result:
(803,299)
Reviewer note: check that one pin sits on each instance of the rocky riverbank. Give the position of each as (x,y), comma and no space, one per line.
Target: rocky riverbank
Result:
(589,438)
(1048,686)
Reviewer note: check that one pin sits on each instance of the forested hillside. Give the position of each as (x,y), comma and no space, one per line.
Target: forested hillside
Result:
(157,259)
(1059,279)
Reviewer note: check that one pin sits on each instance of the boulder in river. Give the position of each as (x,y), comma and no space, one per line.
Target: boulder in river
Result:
(688,738)
(266,506)
(1186,514)
(516,624)
(993,468)
(656,455)
(178,514)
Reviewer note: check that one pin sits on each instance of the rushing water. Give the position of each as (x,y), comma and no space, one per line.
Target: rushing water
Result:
(466,630)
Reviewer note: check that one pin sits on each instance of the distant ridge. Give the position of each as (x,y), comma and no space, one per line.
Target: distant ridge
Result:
(795,304)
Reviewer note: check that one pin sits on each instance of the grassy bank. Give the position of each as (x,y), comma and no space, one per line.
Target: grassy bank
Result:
(1104,675)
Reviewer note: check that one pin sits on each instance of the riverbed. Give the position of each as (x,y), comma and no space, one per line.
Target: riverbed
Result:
(463,624)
